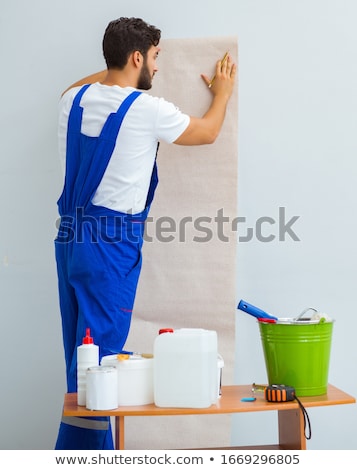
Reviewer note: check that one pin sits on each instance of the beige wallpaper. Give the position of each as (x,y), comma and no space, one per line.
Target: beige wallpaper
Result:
(189,258)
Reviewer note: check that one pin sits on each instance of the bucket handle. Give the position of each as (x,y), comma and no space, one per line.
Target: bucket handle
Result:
(303,313)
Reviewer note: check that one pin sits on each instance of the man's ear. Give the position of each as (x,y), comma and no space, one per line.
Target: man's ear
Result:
(137,58)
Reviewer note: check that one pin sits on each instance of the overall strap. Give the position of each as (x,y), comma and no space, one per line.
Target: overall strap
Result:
(154,181)
(68,196)
(111,127)
(75,115)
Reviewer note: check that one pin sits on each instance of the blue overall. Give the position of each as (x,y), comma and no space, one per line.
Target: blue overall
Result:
(98,255)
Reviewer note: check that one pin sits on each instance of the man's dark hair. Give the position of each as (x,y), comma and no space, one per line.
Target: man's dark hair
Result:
(126,35)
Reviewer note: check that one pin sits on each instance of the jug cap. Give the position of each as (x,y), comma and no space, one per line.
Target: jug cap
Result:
(165,330)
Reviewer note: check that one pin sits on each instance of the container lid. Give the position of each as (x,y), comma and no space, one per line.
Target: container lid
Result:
(133,362)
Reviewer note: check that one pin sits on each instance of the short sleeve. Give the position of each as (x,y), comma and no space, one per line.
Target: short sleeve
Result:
(170,121)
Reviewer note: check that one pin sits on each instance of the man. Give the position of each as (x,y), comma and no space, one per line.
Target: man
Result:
(109,133)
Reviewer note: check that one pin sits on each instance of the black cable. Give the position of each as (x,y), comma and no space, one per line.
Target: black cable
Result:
(306,418)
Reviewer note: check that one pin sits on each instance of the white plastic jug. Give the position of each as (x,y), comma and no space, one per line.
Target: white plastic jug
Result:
(185,368)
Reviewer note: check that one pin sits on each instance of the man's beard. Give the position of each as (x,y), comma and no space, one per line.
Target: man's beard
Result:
(145,79)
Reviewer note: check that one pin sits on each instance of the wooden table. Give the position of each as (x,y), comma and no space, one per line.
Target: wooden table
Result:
(290,417)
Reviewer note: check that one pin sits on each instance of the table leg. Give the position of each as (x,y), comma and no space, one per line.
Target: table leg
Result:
(291,430)
(119,432)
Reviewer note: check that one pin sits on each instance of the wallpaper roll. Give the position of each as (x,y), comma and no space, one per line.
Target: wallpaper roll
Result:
(188,278)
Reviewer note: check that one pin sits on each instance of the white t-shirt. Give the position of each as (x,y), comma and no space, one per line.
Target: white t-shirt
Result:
(125,184)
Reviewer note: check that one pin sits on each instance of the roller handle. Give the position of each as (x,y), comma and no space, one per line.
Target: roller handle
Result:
(254,311)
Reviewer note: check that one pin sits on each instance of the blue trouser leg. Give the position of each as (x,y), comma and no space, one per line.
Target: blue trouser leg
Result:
(76,433)
(85,434)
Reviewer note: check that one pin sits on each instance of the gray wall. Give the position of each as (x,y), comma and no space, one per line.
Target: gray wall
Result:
(297,147)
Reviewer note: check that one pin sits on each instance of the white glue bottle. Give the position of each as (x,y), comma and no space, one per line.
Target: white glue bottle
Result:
(87,356)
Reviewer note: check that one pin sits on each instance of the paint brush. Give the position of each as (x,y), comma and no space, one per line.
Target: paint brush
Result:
(133,353)
(222,62)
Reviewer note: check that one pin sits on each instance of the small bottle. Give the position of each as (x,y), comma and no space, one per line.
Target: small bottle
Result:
(87,356)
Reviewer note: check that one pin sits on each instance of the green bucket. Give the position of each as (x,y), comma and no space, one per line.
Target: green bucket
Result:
(298,354)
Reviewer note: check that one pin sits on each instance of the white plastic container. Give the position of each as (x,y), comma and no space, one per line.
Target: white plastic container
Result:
(102,384)
(185,368)
(135,379)
(87,356)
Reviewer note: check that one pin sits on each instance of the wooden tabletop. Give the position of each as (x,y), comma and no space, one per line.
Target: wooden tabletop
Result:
(229,402)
